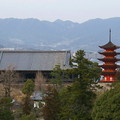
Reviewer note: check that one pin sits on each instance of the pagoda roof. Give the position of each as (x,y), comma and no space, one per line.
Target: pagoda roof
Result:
(110,59)
(109,53)
(109,45)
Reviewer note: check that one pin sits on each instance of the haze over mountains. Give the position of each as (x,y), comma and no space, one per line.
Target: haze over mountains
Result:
(58,35)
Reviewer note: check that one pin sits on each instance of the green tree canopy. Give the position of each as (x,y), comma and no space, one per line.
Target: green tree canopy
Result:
(85,69)
(77,99)
(28,87)
(5,112)
(57,76)
(28,117)
(107,106)
(52,104)
(76,102)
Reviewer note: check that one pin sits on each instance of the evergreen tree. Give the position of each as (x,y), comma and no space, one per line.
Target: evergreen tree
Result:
(28,117)
(52,104)
(5,112)
(107,106)
(84,69)
(28,89)
(77,99)
(57,77)
(51,109)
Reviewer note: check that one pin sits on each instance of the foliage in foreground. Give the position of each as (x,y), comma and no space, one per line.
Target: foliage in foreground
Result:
(77,100)
(28,89)
(28,117)
(107,107)
(5,112)
(52,104)
(73,102)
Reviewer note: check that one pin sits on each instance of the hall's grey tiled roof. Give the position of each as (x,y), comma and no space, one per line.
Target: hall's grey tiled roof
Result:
(34,60)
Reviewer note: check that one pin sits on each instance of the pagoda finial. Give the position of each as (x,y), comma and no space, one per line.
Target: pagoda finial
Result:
(110,35)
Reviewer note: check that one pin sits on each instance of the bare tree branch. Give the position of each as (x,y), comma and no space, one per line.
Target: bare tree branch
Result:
(8,77)
(39,82)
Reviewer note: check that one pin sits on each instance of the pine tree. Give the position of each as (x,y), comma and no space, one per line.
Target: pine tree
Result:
(52,104)
(5,111)
(107,106)
(28,89)
(57,77)
(77,99)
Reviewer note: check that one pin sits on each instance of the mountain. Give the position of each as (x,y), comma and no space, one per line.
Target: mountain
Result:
(58,35)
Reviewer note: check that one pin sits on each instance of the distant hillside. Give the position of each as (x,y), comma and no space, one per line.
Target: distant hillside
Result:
(45,35)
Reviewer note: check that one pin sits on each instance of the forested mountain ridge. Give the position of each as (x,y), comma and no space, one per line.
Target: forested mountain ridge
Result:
(58,35)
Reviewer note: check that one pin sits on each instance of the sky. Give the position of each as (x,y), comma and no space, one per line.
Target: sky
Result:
(74,10)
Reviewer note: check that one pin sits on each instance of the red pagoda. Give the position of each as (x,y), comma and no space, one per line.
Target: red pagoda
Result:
(109,59)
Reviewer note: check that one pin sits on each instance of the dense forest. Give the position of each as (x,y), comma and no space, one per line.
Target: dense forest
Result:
(83,99)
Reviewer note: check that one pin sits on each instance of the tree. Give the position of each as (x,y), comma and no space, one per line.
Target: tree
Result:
(65,104)
(8,77)
(51,109)
(77,99)
(84,69)
(39,82)
(28,89)
(28,117)
(107,106)
(5,112)
(76,102)
(52,104)
(57,77)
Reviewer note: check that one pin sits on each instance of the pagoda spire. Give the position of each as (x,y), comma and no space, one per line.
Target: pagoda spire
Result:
(110,35)
(109,45)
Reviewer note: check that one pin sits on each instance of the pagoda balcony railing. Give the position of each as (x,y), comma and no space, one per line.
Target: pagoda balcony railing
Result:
(109,66)
(108,73)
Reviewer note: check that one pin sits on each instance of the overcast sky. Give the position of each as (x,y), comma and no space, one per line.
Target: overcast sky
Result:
(74,10)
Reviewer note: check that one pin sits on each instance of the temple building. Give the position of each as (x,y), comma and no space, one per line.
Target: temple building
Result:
(109,67)
(28,63)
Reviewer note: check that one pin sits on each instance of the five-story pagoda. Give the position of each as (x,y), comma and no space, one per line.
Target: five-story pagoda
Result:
(109,59)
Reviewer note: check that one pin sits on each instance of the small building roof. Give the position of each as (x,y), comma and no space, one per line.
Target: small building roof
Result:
(37,96)
(34,60)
